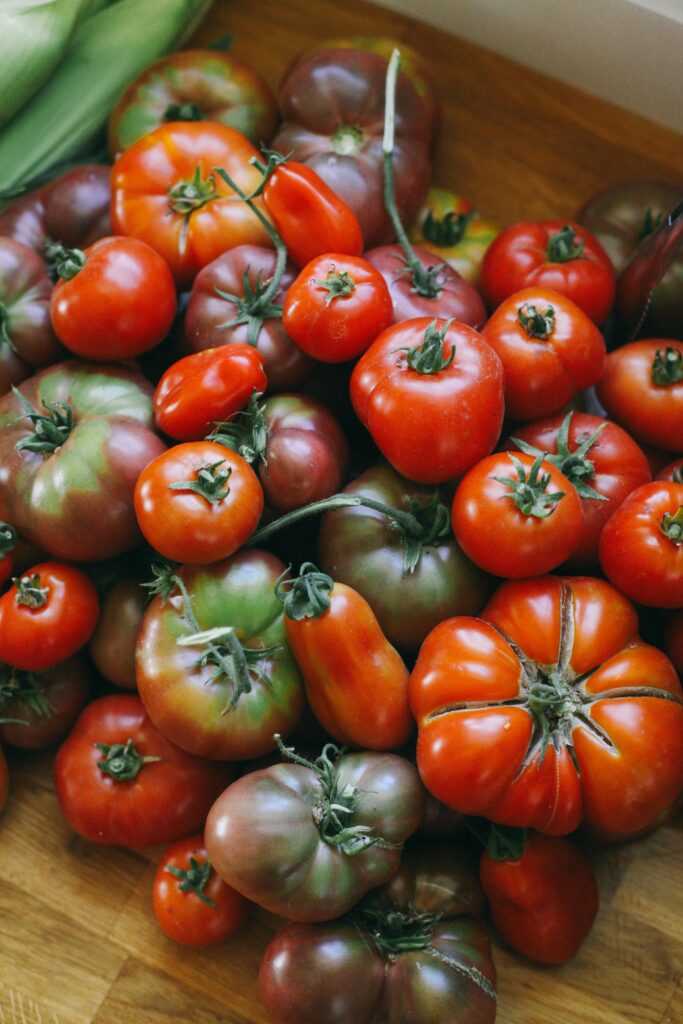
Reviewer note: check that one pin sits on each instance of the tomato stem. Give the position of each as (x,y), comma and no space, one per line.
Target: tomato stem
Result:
(211,482)
(447,231)
(29,591)
(187,196)
(16,685)
(122,761)
(194,879)
(50,431)
(667,366)
(428,357)
(337,285)
(672,526)
(5,336)
(530,493)
(307,596)
(63,262)
(564,246)
(537,324)
(502,842)
(247,434)
(183,112)
(575,465)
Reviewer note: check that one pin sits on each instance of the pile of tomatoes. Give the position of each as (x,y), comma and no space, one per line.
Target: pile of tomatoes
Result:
(218,363)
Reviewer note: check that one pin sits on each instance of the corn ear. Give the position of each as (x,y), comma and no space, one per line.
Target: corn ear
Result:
(106,52)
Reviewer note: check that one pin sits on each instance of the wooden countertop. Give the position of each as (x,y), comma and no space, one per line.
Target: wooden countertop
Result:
(78,940)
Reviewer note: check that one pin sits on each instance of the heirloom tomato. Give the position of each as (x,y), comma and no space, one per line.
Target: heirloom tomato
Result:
(38,709)
(120,782)
(549,711)
(307,840)
(449,227)
(112,645)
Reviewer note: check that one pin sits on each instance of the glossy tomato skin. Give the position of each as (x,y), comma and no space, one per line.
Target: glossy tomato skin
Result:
(210,310)
(501,538)
(177,690)
(456,298)
(518,258)
(205,388)
(112,645)
(38,630)
(619,704)
(543,373)
(76,502)
(637,555)
(652,412)
(37,711)
(613,467)
(164,159)
(338,971)
(263,839)
(431,426)
(360,547)
(186,526)
(120,304)
(543,903)
(167,799)
(450,228)
(330,327)
(185,915)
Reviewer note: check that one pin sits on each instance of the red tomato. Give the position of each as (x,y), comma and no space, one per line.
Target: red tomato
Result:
(642,389)
(550,254)
(310,218)
(549,349)
(165,191)
(641,545)
(206,388)
(192,903)
(114,301)
(672,471)
(198,502)
(431,395)
(46,616)
(514,515)
(120,782)
(336,307)
(543,903)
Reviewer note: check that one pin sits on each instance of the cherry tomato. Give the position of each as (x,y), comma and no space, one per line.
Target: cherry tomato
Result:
(192,903)
(203,389)
(198,502)
(336,307)
(550,254)
(46,616)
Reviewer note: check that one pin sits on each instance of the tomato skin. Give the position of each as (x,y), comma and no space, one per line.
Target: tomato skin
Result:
(183,915)
(652,412)
(500,538)
(112,645)
(168,799)
(470,234)
(205,388)
(187,527)
(119,305)
(430,426)
(60,693)
(335,329)
(544,903)
(36,638)
(518,258)
(543,374)
(635,554)
(672,471)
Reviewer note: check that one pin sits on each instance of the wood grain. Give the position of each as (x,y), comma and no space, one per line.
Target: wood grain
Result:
(78,942)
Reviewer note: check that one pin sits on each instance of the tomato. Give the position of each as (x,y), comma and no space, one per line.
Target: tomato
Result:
(544,902)
(113,301)
(120,782)
(73,440)
(198,502)
(200,390)
(193,85)
(8,539)
(431,395)
(550,254)
(310,218)
(336,307)
(641,545)
(642,389)
(192,903)
(515,515)
(37,710)
(166,193)
(412,951)
(356,682)
(237,299)
(549,349)
(672,471)
(599,459)
(213,665)
(112,645)
(673,641)
(448,226)
(549,710)
(46,616)
(263,840)
(4,781)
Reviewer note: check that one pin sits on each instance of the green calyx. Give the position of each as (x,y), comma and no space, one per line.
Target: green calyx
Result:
(5,336)
(183,112)
(447,231)
(254,306)
(8,538)
(187,196)
(672,526)
(62,262)
(348,140)
(29,591)
(338,286)
(307,596)
(564,246)
(247,434)
(651,221)
(50,429)
(122,761)
(502,842)
(194,879)
(394,931)
(530,493)
(210,483)
(536,323)
(575,465)
(17,685)
(429,356)
(667,366)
